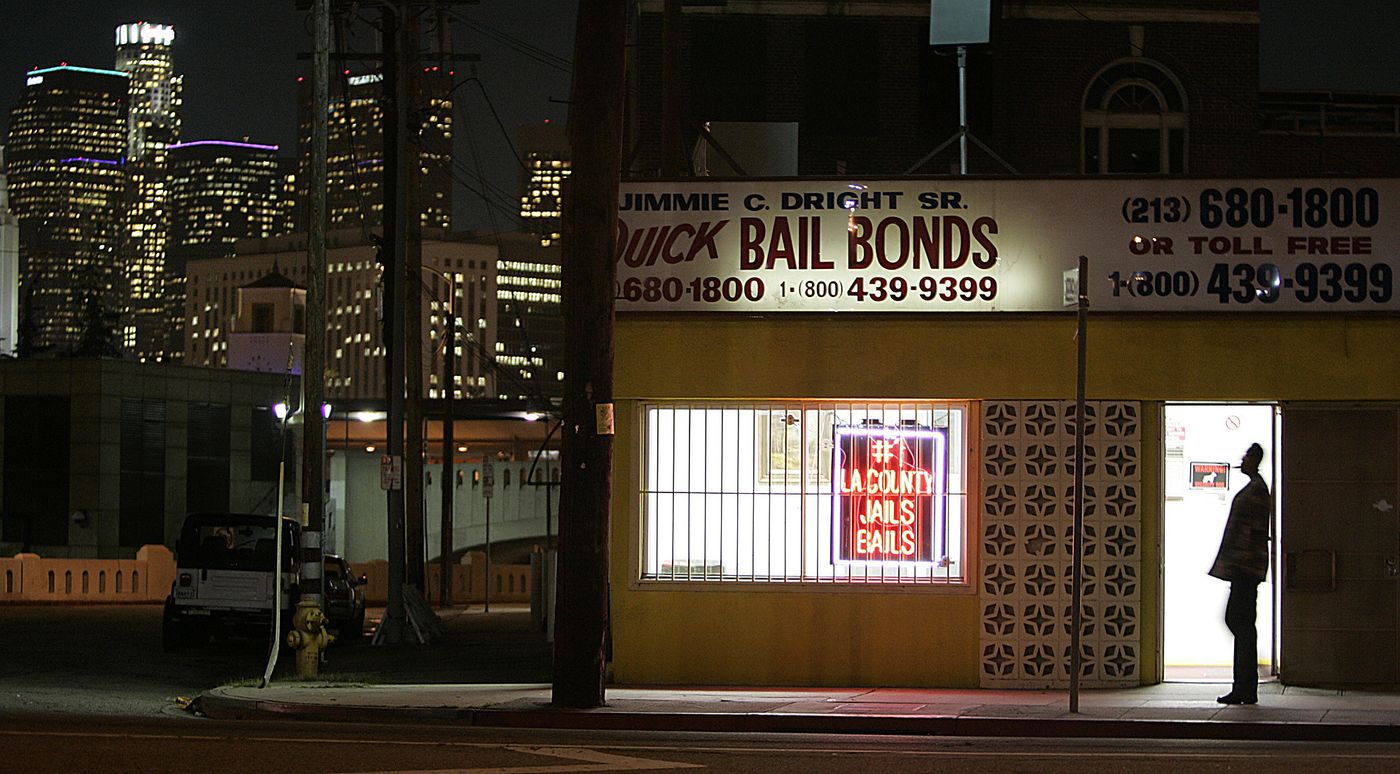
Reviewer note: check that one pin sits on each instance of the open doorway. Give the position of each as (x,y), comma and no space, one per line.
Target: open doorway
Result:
(1202,445)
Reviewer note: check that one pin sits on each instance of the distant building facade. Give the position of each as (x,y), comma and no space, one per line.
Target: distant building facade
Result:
(530,338)
(220,192)
(64,159)
(9,268)
(144,53)
(355,151)
(544,148)
(354,343)
(101,457)
(268,333)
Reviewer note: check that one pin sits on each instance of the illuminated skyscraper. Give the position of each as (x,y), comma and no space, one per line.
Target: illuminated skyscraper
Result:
(530,342)
(64,159)
(220,192)
(545,150)
(530,336)
(153,124)
(355,150)
(9,268)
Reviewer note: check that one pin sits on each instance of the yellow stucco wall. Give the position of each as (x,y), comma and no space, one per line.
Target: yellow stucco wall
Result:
(922,636)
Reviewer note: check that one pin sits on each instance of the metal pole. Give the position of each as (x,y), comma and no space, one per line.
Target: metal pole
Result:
(548,546)
(962,109)
(1076,615)
(488,557)
(276,645)
(449,371)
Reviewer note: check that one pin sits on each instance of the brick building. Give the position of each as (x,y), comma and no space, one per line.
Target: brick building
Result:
(1094,87)
(852,320)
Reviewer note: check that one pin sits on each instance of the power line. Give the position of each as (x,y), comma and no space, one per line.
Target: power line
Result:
(530,50)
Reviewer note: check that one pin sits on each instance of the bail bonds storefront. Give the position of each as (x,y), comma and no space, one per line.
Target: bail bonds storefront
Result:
(845,422)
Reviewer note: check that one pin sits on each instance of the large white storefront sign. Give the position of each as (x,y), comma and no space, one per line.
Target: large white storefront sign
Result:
(1315,245)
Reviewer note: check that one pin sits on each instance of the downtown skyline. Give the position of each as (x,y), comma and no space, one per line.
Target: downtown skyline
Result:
(240,69)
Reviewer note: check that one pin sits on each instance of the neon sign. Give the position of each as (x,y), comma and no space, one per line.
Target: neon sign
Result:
(889,485)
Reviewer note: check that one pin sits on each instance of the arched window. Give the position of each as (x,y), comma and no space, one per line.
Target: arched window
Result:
(1135,120)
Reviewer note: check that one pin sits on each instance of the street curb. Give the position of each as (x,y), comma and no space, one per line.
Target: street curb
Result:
(229,708)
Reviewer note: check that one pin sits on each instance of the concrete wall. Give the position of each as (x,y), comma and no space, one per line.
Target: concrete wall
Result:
(30,578)
(509,582)
(517,513)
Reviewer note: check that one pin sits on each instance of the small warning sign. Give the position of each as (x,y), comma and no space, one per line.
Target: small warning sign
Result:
(391,472)
(1210,475)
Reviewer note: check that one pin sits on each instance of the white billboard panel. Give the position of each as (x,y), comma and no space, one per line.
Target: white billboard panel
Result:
(959,22)
(959,245)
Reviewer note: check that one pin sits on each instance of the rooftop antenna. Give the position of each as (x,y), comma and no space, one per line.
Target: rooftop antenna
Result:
(960,23)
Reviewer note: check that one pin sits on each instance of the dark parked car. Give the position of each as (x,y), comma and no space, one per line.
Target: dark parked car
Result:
(344,600)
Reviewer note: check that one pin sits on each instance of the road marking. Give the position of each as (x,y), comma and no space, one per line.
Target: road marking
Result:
(592,760)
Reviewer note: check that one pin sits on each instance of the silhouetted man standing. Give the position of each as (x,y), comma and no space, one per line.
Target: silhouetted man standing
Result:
(1243,560)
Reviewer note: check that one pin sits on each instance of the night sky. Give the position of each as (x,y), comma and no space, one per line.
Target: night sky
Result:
(240,66)
(239,60)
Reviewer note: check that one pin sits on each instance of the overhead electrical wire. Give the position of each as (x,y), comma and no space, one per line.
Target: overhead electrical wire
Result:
(530,50)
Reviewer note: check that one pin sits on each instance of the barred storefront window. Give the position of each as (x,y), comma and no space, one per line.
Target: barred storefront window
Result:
(805,491)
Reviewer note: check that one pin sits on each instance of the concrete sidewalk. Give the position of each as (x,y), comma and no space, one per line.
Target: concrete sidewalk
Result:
(1171,710)
(492,670)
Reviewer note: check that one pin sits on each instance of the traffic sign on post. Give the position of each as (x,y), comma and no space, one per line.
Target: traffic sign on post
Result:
(391,472)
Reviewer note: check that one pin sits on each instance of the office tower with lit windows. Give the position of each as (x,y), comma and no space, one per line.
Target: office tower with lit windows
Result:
(9,268)
(355,350)
(355,150)
(64,159)
(544,148)
(221,191)
(529,316)
(144,52)
(530,340)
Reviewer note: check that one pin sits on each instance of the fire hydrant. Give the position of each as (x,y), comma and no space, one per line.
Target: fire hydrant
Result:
(309,637)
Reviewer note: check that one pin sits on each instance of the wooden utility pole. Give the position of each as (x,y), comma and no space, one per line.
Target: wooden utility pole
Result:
(313,363)
(391,629)
(413,308)
(590,218)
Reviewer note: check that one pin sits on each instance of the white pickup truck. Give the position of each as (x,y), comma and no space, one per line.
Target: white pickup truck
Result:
(224,577)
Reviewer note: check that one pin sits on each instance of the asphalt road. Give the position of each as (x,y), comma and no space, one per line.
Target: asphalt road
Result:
(88,688)
(107,660)
(55,744)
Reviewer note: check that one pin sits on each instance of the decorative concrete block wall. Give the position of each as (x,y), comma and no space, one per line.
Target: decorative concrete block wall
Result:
(1027,483)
